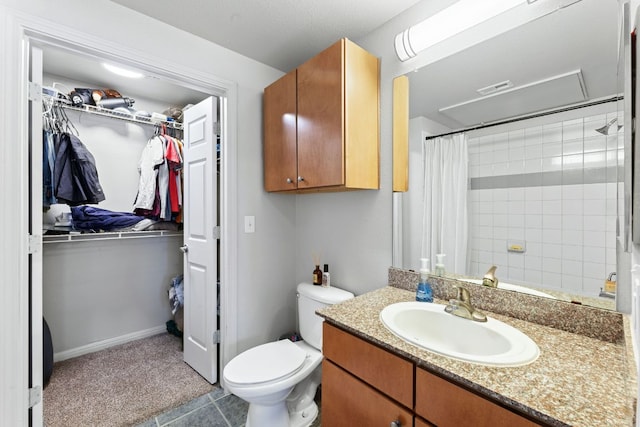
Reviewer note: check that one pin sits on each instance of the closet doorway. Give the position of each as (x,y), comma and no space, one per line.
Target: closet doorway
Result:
(204,320)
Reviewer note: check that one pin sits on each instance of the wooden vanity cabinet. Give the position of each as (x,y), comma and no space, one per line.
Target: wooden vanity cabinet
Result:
(363,384)
(336,126)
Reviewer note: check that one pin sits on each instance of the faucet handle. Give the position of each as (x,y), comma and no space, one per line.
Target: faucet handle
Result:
(463,294)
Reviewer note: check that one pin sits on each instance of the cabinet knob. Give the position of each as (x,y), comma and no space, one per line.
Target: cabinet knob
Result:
(396,423)
(289,181)
(300,179)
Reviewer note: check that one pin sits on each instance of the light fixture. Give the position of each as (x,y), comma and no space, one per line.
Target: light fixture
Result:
(450,21)
(124,72)
(466,14)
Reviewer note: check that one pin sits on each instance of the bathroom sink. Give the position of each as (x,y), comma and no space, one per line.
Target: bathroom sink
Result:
(512,287)
(428,326)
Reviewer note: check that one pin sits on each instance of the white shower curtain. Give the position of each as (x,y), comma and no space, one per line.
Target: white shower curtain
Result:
(444,220)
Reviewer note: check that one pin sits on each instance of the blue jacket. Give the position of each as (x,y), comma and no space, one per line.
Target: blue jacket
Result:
(75,174)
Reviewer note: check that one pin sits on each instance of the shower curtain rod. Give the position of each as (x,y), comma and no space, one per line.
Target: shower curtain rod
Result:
(531,116)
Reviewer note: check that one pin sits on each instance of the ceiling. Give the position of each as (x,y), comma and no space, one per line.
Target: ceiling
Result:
(289,32)
(582,37)
(279,33)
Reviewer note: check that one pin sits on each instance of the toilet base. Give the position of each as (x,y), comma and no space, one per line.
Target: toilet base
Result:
(278,416)
(267,415)
(305,417)
(303,410)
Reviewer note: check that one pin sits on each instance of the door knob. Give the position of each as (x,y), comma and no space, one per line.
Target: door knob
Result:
(184,248)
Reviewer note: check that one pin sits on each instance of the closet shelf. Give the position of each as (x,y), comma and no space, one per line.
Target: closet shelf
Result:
(113,114)
(64,238)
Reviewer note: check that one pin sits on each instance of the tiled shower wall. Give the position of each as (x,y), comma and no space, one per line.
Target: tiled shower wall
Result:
(550,189)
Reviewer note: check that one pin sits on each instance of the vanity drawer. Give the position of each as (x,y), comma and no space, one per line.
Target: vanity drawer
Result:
(347,401)
(446,404)
(381,369)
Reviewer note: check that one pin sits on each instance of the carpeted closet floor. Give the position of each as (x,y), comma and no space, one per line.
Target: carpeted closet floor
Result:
(121,386)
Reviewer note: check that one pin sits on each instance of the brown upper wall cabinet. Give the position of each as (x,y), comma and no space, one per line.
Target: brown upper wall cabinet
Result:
(322,122)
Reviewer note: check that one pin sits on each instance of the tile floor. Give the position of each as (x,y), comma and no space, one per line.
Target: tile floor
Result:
(214,409)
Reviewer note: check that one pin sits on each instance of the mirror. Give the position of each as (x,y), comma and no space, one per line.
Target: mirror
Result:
(545,185)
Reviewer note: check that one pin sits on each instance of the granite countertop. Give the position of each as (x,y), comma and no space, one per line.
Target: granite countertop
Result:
(578,380)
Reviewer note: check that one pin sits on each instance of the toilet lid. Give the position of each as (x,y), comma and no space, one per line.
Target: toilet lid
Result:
(265,363)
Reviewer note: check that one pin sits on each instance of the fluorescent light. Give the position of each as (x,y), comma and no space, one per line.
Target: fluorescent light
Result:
(453,20)
(124,72)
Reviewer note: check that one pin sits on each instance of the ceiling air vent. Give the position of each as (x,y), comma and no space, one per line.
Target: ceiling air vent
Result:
(495,87)
(553,92)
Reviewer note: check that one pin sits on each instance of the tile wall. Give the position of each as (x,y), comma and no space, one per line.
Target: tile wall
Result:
(550,188)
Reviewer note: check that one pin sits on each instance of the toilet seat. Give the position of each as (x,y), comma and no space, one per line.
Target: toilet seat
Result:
(265,363)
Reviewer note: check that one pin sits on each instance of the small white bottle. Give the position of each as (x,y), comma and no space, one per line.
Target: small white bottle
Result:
(326,277)
(439,270)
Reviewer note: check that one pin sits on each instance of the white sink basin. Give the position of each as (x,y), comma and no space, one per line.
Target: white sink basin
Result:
(427,325)
(512,287)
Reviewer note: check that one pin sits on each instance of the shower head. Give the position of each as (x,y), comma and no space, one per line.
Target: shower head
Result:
(605,129)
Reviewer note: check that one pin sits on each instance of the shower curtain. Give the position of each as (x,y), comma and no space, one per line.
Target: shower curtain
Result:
(444,220)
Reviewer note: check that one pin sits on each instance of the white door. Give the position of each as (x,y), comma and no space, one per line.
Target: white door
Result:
(35,232)
(200,243)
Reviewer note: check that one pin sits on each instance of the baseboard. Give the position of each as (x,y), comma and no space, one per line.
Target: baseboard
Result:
(104,344)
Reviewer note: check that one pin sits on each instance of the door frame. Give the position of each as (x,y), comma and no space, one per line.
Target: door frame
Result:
(20,31)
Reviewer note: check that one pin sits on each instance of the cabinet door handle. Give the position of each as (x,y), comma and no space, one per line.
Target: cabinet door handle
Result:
(289,181)
(396,423)
(300,179)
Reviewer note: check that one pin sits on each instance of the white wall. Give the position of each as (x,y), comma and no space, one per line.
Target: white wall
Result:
(266,280)
(564,211)
(101,290)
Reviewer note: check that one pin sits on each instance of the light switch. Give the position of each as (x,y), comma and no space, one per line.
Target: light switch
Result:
(249,224)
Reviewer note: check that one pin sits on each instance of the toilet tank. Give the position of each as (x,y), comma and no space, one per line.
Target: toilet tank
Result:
(310,299)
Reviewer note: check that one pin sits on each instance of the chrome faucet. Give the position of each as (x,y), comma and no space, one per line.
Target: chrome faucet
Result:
(490,279)
(461,306)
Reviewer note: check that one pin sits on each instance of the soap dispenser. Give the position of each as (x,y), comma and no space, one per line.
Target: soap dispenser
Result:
(424,292)
(439,270)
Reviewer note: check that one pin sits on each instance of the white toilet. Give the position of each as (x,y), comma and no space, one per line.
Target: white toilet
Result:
(279,379)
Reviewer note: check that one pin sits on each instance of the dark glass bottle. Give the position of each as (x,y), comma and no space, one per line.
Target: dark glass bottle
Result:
(317,276)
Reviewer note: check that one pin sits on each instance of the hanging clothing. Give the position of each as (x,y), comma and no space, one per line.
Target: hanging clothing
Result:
(175,166)
(152,156)
(160,186)
(176,293)
(48,164)
(163,190)
(75,174)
